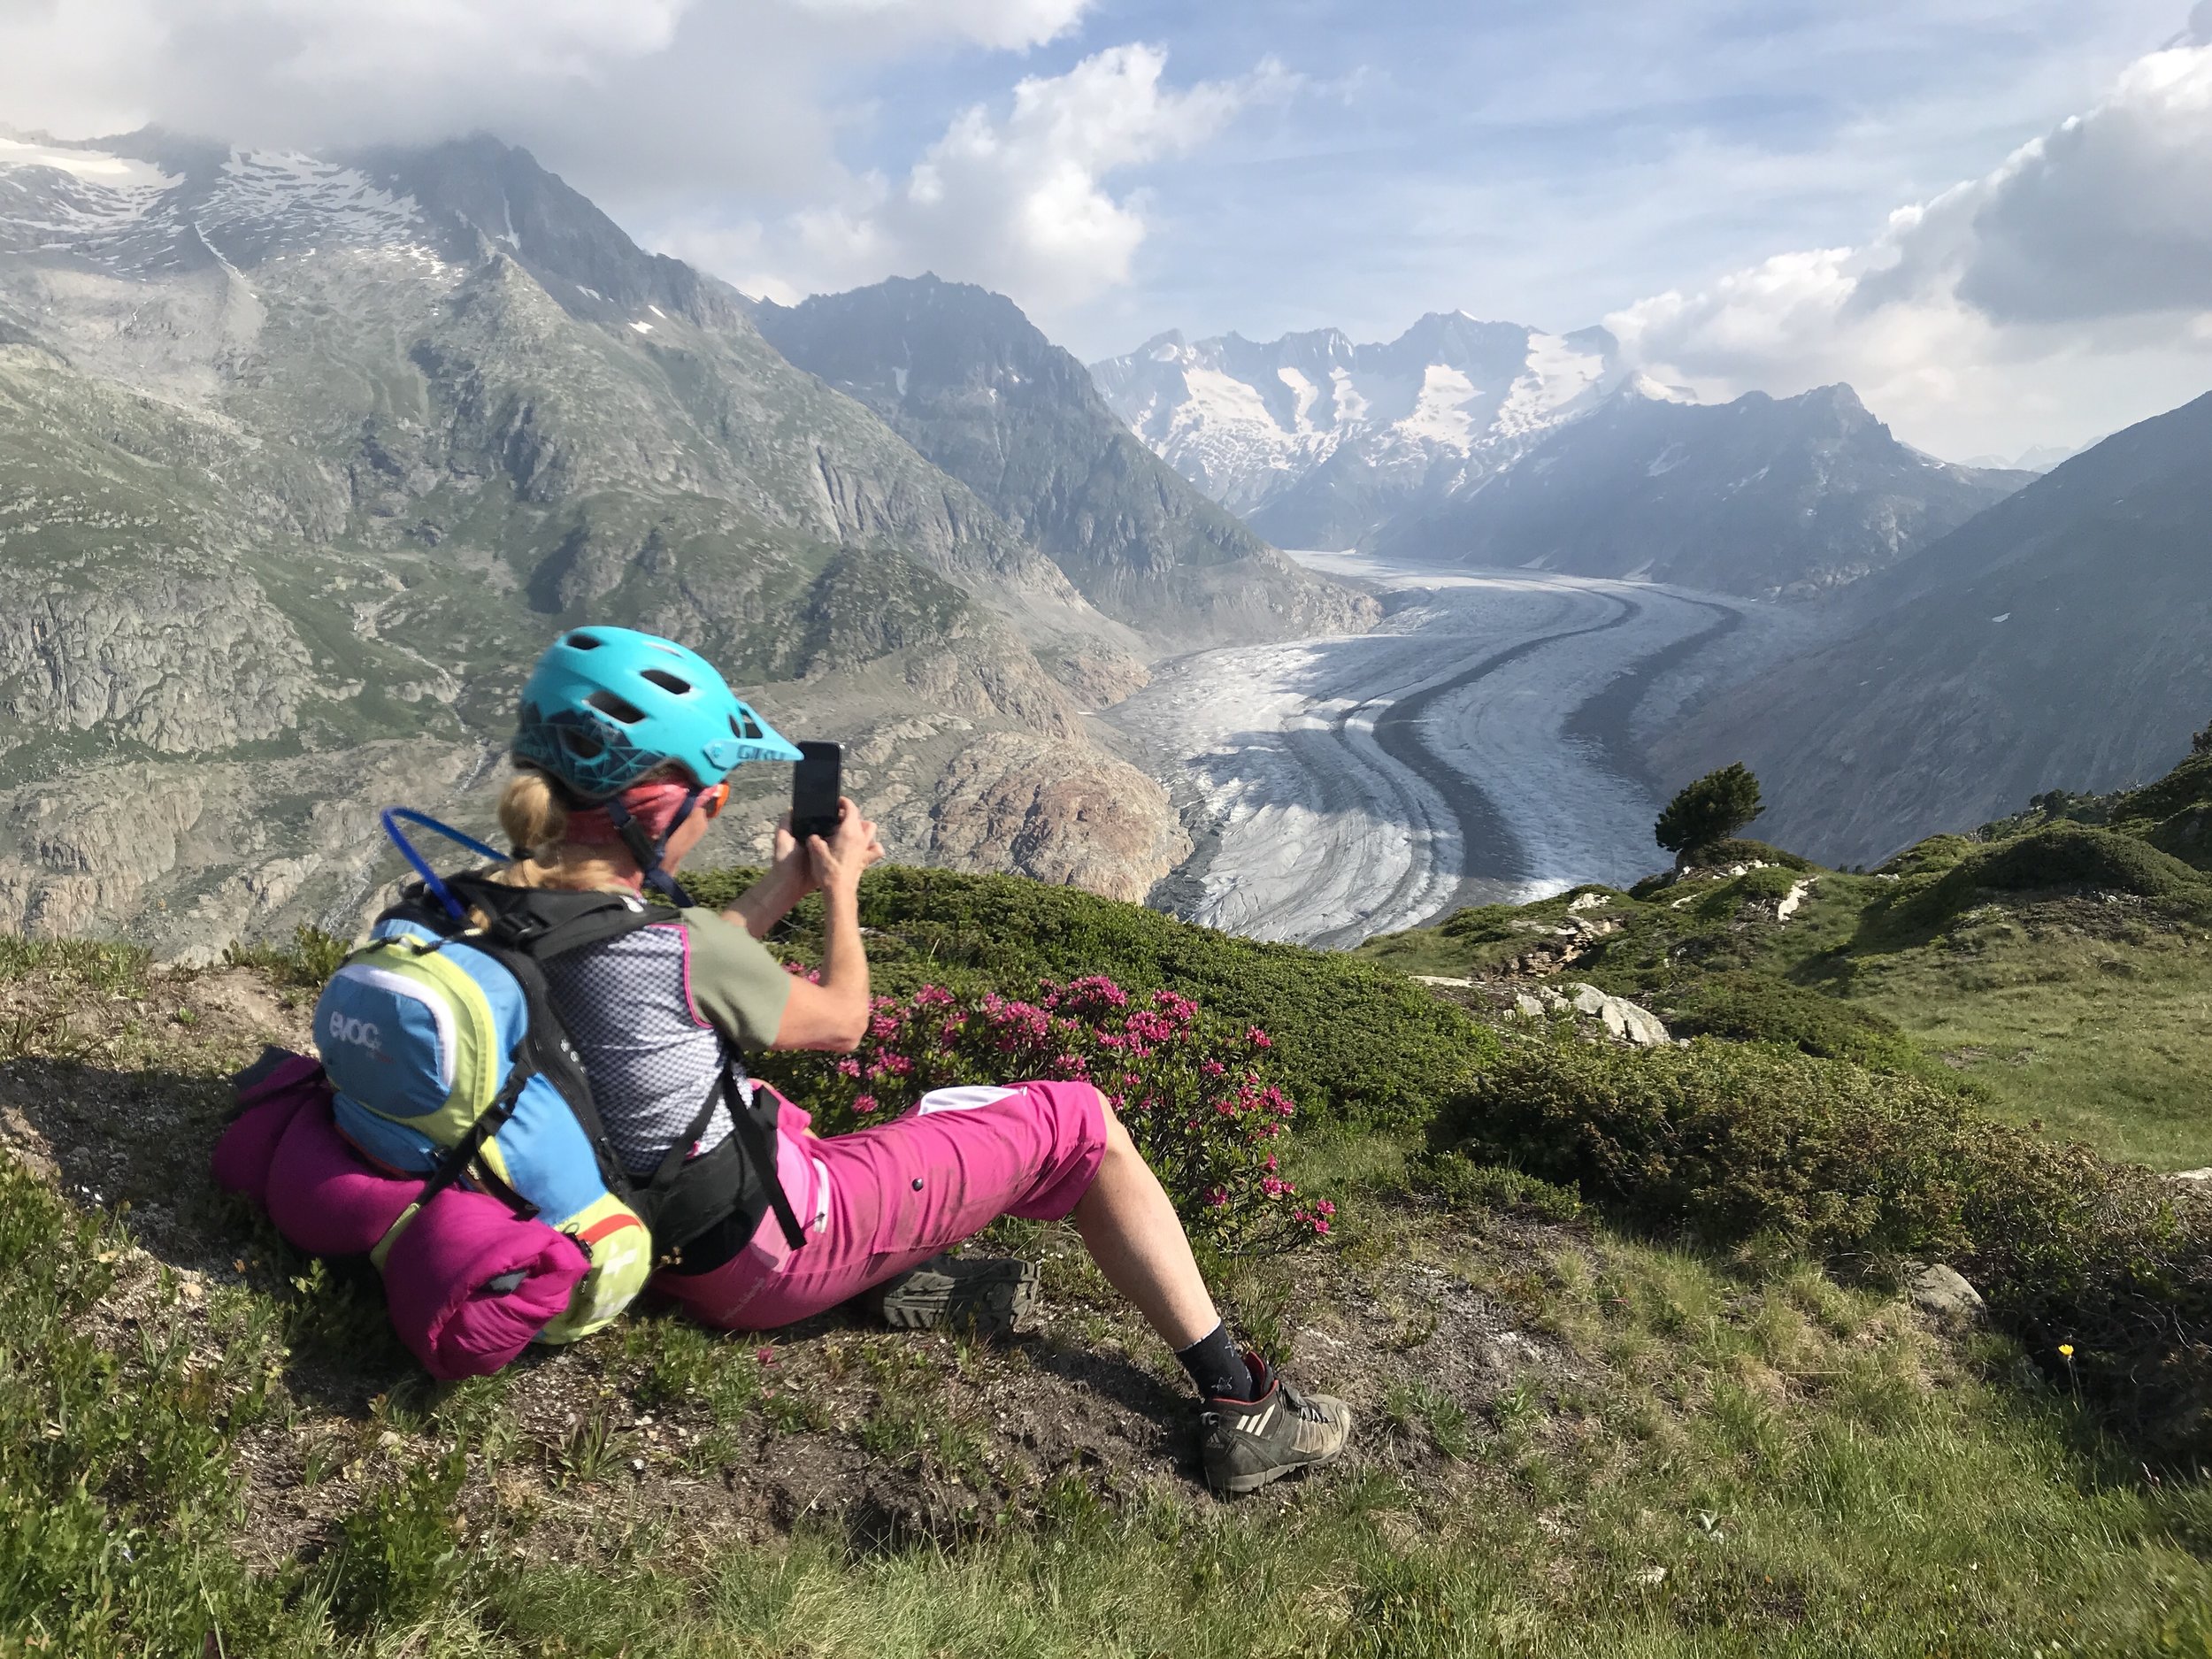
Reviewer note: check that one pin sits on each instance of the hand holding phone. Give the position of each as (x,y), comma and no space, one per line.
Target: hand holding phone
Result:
(817,784)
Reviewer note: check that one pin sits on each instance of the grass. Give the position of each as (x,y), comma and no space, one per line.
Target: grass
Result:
(1666,1452)
(2077,1015)
(1721,1464)
(2095,1037)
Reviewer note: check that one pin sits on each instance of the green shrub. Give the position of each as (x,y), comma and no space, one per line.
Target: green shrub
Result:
(1932,856)
(1357,1042)
(1740,851)
(1750,1007)
(2063,857)
(1725,1144)
(2074,856)
(1195,1093)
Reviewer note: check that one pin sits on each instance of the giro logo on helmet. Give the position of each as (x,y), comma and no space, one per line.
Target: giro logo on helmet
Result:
(362,1033)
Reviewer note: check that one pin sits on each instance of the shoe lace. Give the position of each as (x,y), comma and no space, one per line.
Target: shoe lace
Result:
(1301,1405)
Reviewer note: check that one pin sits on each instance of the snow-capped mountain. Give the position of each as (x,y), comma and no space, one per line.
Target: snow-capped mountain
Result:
(1771,497)
(1316,441)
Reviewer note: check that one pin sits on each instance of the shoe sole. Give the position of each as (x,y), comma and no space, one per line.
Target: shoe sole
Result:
(1241,1485)
(992,1299)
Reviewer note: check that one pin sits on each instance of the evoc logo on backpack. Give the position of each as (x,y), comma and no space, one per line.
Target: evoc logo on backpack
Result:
(362,1033)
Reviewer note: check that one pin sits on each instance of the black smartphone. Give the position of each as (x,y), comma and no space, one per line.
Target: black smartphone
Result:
(817,782)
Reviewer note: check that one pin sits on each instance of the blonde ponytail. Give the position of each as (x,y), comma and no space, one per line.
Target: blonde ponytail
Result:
(532,813)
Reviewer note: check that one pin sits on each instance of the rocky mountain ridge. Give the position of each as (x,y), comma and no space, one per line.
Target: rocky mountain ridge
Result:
(969,381)
(1766,497)
(306,457)
(2061,639)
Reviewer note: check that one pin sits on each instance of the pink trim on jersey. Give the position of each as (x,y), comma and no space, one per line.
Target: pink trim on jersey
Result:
(690,1001)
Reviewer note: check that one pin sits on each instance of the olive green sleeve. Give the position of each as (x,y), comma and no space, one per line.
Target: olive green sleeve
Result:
(734,984)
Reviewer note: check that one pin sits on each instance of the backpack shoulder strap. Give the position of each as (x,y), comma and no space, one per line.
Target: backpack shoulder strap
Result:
(544,922)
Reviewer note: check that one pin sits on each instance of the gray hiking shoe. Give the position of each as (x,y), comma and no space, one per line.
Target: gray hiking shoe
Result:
(1247,1443)
(987,1295)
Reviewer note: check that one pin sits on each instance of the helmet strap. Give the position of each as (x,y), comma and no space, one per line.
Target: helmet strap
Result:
(647,852)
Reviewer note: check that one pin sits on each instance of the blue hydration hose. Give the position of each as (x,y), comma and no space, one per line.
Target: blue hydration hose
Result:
(388,817)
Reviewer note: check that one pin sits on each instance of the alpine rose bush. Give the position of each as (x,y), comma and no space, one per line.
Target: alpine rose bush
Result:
(1192,1092)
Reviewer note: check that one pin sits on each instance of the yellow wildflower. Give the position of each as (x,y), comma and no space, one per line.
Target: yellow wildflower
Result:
(2066,1350)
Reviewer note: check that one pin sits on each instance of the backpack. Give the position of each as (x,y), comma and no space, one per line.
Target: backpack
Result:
(448,1060)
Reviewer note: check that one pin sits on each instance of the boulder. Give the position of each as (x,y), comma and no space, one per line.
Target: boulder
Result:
(1791,900)
(1626,1020)
(1942,1292)
(1631,1023)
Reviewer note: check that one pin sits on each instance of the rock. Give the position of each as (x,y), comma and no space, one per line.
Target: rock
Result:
(2190,1175)
(1528,1007)
(1940,1291)
(1791,900)
(1631,1023)
(1099,676)
(1438,979)
(193,957)
(1073,817)
(1587,902)
(1626,1020)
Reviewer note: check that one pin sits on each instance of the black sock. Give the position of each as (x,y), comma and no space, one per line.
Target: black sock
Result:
(1216,1366)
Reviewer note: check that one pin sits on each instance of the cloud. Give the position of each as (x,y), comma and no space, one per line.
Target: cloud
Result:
(1024,202)
(1010,24)
(2112,213)
(623,94)
(2092,242)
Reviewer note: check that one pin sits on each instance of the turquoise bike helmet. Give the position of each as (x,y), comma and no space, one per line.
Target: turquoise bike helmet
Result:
(604,706)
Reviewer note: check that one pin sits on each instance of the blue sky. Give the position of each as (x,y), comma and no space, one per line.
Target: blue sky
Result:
(1544,162)
(1767,194)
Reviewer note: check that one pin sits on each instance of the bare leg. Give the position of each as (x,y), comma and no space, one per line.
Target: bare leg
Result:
(1133,1234)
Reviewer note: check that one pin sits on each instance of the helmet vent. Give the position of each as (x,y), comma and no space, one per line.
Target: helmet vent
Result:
(615,708)
(582,642)
(743,724)
(666,682)
(582,744)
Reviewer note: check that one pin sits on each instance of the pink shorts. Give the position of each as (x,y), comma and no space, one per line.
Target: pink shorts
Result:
(883,1199)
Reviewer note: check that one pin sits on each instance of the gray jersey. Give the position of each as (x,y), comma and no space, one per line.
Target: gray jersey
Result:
(653,1015)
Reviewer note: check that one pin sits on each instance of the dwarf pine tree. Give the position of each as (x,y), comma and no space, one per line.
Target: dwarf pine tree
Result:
(1711,810)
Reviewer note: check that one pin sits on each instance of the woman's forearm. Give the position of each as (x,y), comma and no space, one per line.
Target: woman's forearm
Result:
(768,901)
(845,960)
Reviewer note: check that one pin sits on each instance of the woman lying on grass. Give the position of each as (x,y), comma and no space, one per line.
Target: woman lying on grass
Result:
(622,750)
